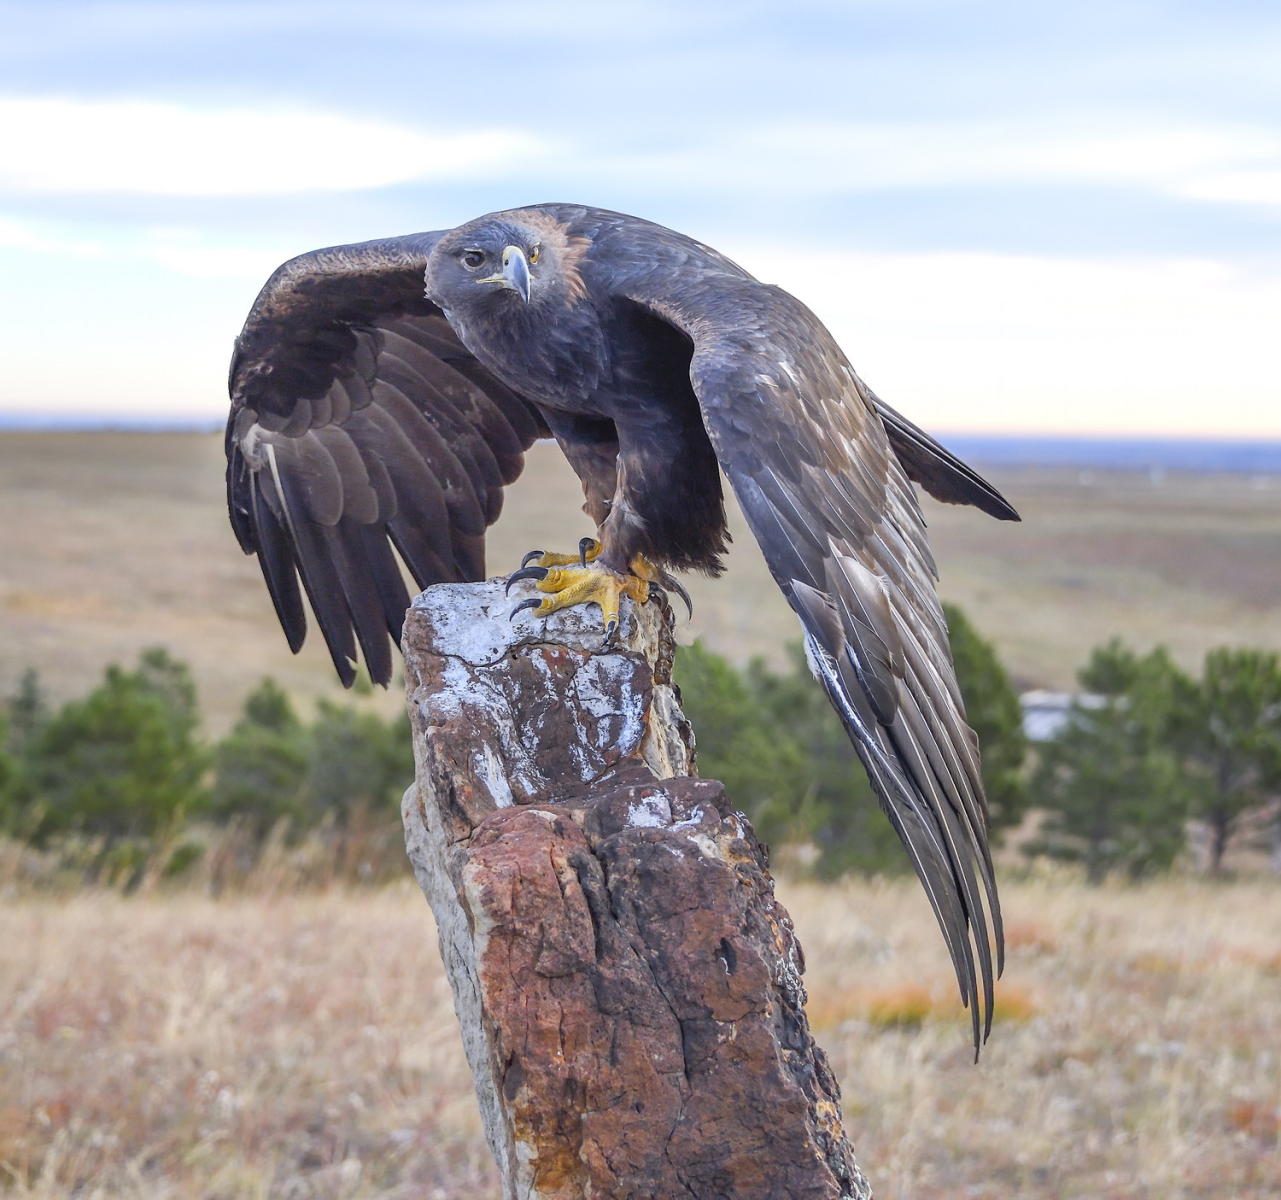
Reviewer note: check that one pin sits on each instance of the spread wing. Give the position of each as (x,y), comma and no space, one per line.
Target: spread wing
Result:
(936,468)
(360,428)
(812,464)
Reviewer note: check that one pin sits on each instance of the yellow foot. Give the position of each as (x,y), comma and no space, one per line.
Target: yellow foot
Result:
(569,585)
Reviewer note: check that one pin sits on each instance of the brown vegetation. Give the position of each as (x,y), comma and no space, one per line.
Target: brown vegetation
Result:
(306,1046)
(116,541)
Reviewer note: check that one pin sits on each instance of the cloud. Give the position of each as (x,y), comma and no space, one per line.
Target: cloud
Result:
(22,235)
(58,145)
(1023,342)
(1262,188)
(62,145)
(955,340)
(181,251)
(1225,163)
(210,262)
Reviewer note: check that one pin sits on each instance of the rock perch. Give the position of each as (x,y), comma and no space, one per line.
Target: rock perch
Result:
(629,989)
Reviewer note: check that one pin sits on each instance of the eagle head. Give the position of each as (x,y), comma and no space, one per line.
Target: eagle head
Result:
(522,259)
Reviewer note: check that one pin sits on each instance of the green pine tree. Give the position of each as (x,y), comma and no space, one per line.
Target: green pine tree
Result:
(27,710)
(993,711)
(831,805)
(261,765)
(760,764)
(170,682)
(775,741)
(1225,731)
(8,777)
(1111,789)
(356,760)
(123,762)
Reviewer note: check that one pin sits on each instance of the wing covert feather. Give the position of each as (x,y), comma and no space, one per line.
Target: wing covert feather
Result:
(818,476)
(361,429)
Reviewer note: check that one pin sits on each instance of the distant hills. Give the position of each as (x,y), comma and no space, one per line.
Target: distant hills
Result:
(1216,456)
(1120,454)
(119,541)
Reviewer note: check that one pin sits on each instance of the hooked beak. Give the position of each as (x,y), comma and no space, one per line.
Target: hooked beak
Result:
(515,274)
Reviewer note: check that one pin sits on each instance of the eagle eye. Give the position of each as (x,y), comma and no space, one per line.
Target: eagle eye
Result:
(535,253)
(472,259)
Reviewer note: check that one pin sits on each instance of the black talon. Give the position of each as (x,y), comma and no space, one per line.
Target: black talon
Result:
(524,562)
(524,573)
(669,581)
(611,632)
(524,604)
(584,544)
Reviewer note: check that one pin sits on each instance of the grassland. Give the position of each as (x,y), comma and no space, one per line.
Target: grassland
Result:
(293,1045)
(304,1045)
(115,541)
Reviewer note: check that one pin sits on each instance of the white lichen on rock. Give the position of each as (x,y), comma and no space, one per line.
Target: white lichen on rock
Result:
(587,889)
(652,811)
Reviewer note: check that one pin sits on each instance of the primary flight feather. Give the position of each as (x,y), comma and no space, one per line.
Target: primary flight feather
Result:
(383,394)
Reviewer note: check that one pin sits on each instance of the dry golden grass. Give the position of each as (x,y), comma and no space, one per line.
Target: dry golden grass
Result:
(119,541)
(304,1045)
(1136,1056)
(1190,561)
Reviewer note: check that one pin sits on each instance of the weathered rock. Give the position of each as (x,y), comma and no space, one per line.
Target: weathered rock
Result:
(628,987)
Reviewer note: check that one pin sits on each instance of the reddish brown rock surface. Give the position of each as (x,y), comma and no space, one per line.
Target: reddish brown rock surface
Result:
(629,989)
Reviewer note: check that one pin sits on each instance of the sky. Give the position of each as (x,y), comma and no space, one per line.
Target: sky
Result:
(1024,217)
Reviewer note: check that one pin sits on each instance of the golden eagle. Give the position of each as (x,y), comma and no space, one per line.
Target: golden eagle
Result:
(382,395)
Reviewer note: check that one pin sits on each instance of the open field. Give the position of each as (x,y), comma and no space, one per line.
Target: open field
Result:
(115,541)
(305,1046)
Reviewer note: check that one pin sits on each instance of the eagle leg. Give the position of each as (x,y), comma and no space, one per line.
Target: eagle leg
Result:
(567,585)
